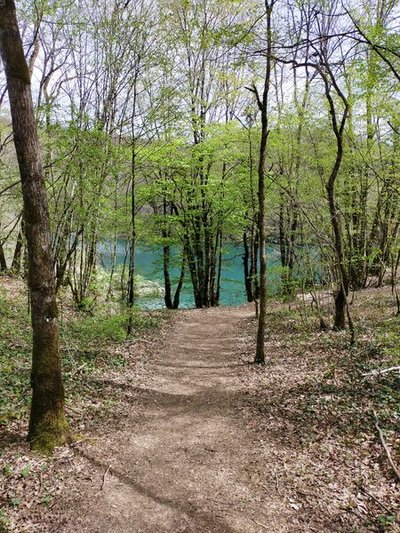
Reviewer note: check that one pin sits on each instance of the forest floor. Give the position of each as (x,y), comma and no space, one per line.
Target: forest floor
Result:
(196,439)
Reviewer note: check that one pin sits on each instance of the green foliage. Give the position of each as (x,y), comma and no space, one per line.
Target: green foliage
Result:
(388,337)
(15,342)
(15,502)
(385,520)
(46,499)
(4,522)
(25,471)
(96,330)
(85,343)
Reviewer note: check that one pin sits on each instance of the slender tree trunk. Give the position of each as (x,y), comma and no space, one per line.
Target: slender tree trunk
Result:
(263,106)
(48,425)
(177,295)
(343,278)
(166,259)
(251,249)
(248,283)
(113,265)
(260,350)
(132,243)
(167,278)
(250,264)
(3,262)
(219,271)
(194,275)
(343,283)
(17,257)
(254,261)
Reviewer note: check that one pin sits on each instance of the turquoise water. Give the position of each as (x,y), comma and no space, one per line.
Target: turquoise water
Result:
(148,265)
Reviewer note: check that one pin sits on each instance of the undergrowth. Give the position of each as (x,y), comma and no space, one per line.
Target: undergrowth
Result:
(329,398)
(86,346)
(343,398)
(96,354)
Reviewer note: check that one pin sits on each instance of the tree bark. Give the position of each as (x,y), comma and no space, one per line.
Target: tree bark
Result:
(17,257)
(175,303)
(3,262)
(246,268)
(165,233)
(167,278)
(263,106)
(47,425)
(132,242)
(343,277)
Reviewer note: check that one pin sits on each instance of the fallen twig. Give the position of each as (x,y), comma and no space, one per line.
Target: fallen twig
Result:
(260,524)
(74,410)
(383,371)
(77,370)
(104,477)
(386,448)
(364,490)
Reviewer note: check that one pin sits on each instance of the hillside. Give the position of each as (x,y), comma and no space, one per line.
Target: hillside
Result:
(177,432)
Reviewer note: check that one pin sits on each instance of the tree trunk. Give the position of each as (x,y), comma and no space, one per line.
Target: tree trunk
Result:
(219,272)
(48,425)
(263,106)
(246,267)
(3,262)
(17,257)
(260,351)
(166,259)
(167,278)
(177,295)
(343,278)
(132,243)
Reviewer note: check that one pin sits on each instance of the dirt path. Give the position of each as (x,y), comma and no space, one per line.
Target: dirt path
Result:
(189,463)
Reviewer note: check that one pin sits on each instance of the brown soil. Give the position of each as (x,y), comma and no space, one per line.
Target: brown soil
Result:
(201,441)
(188,462)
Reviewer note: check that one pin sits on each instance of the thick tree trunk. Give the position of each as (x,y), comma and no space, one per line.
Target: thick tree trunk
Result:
(47,426)
(340,309)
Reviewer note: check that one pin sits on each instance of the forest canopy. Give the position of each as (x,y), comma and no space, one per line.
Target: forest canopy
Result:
(149,119)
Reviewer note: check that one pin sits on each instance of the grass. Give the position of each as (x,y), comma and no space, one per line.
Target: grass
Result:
(87,342)
(15,343)
(97,356)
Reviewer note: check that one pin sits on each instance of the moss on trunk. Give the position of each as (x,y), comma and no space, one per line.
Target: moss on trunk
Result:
(48,425)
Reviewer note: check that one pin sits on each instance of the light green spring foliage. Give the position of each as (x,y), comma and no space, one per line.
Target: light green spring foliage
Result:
(168,82)
(85,343)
